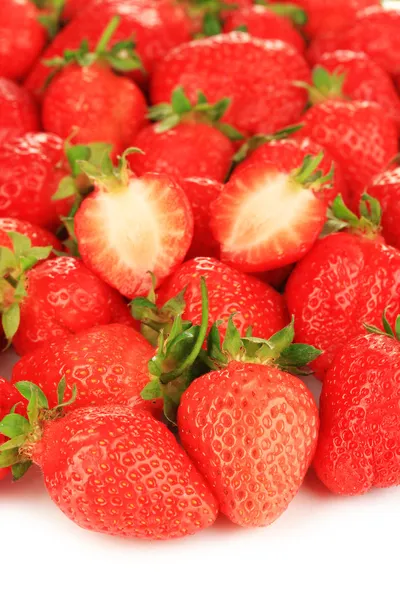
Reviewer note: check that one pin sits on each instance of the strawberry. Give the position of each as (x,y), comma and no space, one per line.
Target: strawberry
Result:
(268,216)
(375,32)
(111,470)
(9,397)
(156,26)
(107,365)
(72,8)
(251,429)
(264,23)
(22,38)
(31,169)
(195,128)
(385,187)
(37,235)
(345,74)
(132,225)
(288,154)
(54,299)
(254,303)
(347,279)
(277,277)
(359,444)
(360,136)
(87,96)
(256,74)
(330,15)
(18,111)
(201,193)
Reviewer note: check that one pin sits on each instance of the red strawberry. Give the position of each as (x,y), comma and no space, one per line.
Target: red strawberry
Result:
(264,23)
(385,187)
(268,216)
(115,471)
(375,32)
(347,279)
(251,429)
(360,136)
(330,15)
(9,397)
(254,303)
(355,76)
(256,74)
(31,169)
(73,7)
(156,26)
(18,111)
(37,235)
(289,154)
(86,96)
(359,443)
(107,364)
(22,37)
(130,226)
(53,300)
(201,193)
(196,128)
(277,277)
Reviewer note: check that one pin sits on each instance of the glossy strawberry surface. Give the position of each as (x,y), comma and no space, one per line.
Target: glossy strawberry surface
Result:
(359,443)
(256,74)
(37,235)
(385,187)
(254,303)
(120,472)
(63,298)
(345,281)
(18,110)
(108,364)
(187,150)
(251,430)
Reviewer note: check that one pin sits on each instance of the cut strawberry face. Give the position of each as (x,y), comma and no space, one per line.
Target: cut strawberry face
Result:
(266,218)
(132,229)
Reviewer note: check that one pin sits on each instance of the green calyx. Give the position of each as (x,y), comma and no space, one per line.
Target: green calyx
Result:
(260,139)
(13,267)
(176,362)
(387,328)
(294,13)
(24,433)
(340,217)
(181,109)
(107,175)
(324,85)
(308,175)
(279,350)
(121,56)
(51,15)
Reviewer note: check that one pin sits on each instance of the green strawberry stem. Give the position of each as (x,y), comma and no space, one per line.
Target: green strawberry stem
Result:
(51,17)
(340,217)
(107,35)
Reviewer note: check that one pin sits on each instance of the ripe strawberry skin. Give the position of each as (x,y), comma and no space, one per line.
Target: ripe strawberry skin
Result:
(156,25)
(38,236)
(22,37)
(201,193)
(263,23)
(359,136)
(31,168)
(256,74)
(255,303)
(344,281)
(121,472)
(187,150)
(108,364)
(365,80)
(385,187)
(105,107)
(151,232)
(63,298)
(9,397)
(359,441)
(18,111)
(251,430)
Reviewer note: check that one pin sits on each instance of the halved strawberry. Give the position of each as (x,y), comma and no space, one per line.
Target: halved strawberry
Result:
(267,217)
(132,226)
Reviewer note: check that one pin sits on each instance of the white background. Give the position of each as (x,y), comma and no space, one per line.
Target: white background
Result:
(323,547)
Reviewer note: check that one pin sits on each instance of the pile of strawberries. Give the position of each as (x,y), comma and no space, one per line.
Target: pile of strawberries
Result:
(199,205)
